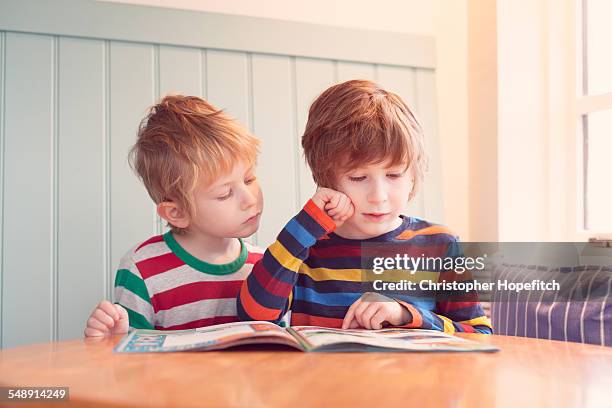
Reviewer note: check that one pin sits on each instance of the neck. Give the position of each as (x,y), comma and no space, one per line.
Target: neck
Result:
(207,248)
(350,232)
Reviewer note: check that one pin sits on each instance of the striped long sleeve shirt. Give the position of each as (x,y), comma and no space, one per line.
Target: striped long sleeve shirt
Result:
(164,287)
(316,275)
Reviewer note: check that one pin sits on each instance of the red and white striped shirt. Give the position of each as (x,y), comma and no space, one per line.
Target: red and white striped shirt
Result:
(164,287)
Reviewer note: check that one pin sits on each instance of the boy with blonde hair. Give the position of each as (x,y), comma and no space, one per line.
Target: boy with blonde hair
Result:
(198,166)
(365,149)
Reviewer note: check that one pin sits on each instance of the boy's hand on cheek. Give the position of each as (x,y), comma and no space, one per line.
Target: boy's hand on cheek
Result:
(336,204)
(372,310)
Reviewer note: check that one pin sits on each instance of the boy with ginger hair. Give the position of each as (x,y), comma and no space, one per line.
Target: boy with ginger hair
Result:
(365,149)
(198,166)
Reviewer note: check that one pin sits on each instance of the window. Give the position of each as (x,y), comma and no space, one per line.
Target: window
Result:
(594,109)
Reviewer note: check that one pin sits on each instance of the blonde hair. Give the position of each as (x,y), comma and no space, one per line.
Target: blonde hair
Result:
(182,141)
(357,123)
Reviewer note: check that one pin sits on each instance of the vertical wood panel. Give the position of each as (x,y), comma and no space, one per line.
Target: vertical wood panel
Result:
(106,164)
(402,81)
(27,265)
(228,86)
(227,82)
(203,72)
(81,209)
(355,70)
(312,77)
(426,109)
(2,117)
(274,124)
(180,71)
(131,92)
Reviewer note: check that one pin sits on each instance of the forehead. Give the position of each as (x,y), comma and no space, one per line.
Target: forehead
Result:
(381,165)
(236,172)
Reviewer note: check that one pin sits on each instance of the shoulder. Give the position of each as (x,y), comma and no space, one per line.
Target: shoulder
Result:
(422,230)
(254,253)
(154,246)
(253,248)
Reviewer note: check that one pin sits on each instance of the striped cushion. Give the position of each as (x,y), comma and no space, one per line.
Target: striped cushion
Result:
(586,317)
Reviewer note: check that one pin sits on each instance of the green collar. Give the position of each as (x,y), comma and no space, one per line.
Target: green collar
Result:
(195,263)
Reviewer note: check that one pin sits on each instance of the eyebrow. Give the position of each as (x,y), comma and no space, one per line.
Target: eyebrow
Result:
(249,170)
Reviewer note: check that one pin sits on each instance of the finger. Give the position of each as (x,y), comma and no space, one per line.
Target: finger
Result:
(333,212)
(123,324)
(336,199)
(340,200)
(103,317)
(325,192)
(122,327)
(339,208)
(350,314)
(91,332)
(349,324)
(354,325)
(351,210)
(368,313)
(332,202)
(359,313)
(109,309)
(321,197)
(95,324)
(376,322)
(123,314)
(338,217)
(346,208)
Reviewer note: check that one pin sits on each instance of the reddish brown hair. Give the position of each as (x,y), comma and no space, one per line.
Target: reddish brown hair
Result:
(358,123)
(184,140)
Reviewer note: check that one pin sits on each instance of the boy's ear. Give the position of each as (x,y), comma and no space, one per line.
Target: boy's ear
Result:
(172,213)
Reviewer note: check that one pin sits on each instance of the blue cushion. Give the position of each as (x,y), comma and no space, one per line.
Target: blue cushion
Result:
(580,312)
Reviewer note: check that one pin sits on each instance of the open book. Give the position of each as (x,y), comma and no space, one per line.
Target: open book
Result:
(304,338)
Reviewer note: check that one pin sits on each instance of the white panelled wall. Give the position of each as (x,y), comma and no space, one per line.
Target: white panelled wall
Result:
(70,110)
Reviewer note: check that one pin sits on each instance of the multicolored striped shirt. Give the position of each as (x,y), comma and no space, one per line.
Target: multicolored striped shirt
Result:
(317,275)
(164,287)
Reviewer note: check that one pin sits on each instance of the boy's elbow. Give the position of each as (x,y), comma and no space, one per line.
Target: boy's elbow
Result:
(484,330)
(246,313)
(244,316)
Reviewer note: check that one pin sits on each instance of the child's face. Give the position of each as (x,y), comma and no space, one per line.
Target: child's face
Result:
(230,206)
(379,193)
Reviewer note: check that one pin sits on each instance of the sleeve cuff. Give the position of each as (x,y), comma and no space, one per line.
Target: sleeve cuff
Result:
(320,216)
(417,319)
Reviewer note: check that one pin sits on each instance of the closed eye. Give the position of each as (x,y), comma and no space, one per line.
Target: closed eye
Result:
(226,196)
(360,178)
(394,175)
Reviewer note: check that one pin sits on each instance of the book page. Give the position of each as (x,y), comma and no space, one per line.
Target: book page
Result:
(205,338)
(389,338)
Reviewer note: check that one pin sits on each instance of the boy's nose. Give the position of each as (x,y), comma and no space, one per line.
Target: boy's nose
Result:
(249,199)
(377,194)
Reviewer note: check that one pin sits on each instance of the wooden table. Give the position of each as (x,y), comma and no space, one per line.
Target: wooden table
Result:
(526,372)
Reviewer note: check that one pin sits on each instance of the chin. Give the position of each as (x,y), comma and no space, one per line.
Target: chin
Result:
(247,231)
